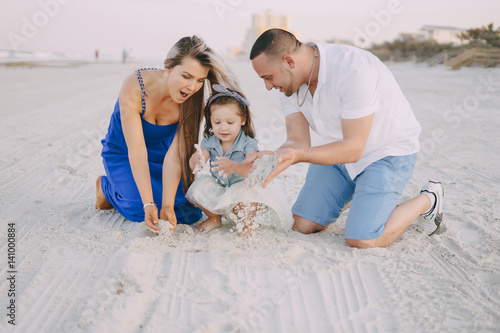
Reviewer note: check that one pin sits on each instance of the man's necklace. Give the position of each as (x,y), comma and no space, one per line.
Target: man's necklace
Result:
(310,77)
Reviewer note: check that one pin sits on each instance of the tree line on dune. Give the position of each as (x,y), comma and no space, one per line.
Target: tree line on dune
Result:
(408,48)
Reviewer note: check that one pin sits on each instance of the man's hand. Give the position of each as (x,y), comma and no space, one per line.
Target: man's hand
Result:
(253,157)
(288,157)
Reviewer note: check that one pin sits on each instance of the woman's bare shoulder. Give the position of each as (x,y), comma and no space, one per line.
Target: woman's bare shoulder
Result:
(130,94)
(131,83)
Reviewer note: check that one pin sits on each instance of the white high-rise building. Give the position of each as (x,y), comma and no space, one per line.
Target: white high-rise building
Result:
(262,22)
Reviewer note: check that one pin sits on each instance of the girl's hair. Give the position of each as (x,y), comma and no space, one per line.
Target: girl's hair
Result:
(191,110)
(244,112)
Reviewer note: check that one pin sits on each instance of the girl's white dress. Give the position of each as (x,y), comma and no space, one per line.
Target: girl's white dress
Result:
(219,195)
(207,193)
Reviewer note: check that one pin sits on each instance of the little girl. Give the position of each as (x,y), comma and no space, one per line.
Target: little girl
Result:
(228,140)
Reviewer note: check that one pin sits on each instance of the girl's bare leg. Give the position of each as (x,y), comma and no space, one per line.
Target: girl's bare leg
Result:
(213,222)
(100,199)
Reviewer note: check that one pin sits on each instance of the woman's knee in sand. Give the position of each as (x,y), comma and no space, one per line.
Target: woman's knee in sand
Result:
(100,200)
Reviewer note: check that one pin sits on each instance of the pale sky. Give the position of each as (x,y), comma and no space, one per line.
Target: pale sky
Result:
(150,27)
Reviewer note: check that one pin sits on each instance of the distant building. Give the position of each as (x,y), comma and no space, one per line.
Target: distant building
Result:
(442,35)
(407,37)
(340,41)
(262,22)
(234,52)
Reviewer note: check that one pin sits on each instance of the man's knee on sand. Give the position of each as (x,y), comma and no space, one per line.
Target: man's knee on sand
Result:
(306,226)
(362,243)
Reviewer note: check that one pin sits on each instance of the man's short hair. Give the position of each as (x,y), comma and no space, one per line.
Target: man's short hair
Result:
(276,43)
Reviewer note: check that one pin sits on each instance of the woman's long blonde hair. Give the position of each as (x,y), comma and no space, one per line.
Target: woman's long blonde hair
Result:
(191,111)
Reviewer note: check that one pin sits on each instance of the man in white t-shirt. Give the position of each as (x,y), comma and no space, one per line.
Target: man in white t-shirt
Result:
(369,132)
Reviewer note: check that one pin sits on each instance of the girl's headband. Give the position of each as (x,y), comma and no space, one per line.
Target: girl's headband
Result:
(222,91)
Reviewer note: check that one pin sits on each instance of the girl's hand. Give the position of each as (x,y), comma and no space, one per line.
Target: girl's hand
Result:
(151,218)
(167,213)
(225,166)
(197,160)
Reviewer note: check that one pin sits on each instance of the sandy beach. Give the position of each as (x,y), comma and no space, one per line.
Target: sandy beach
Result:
(77,269)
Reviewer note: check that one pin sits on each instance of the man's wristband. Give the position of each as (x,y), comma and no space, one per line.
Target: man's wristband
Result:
(149,204)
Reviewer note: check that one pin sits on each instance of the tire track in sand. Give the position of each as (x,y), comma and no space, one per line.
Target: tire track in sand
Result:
(479,295)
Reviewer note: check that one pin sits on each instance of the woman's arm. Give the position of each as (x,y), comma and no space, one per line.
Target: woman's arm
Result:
(172,172)
(130,113)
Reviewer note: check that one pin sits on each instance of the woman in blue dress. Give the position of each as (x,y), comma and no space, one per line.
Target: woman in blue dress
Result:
(152,132)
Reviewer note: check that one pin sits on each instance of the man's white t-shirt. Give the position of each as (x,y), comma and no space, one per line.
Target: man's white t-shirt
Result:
(353,83)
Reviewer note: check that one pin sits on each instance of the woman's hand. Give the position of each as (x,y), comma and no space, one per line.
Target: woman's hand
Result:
(225,166)
(151,218)
(167,213)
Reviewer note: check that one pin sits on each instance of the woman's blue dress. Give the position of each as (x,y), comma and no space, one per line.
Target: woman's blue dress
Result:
(119,186)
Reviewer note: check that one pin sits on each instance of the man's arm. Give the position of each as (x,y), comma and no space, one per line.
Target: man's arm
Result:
(298,136)
(348,150)
(297,130)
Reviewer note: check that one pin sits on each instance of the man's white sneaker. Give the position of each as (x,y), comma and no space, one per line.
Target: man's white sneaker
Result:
(436,212)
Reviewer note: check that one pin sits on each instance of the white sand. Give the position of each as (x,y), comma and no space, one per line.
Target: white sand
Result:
(262,167)
(166,230)
(82,270)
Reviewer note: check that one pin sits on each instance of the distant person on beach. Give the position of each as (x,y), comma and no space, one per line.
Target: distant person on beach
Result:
(369,132)
(229,138)
(96,53)
(151,136)
(124,55)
